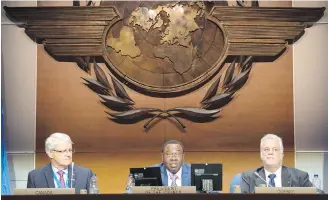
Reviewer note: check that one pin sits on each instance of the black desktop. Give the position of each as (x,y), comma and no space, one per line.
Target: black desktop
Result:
(206,177)
(150,176)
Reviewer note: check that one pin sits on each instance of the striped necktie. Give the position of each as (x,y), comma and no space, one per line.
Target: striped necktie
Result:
(61,178)
(174,178)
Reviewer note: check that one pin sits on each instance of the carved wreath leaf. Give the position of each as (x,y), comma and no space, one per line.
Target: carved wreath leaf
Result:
(219,98)
(96,86)
(120,91)
(115,101)
(137,112)
(246,64)
(212,90)
(100,75)
(240,78)
(195,112)
(83,63)
(229,73)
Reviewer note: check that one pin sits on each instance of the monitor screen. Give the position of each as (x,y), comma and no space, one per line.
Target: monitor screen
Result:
(150,176)
(206,177)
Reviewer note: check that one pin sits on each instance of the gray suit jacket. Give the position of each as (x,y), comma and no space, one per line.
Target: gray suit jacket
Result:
(185,175)
(43,178)
(290,177)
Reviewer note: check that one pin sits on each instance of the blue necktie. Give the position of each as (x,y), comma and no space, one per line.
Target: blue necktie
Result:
(271,182)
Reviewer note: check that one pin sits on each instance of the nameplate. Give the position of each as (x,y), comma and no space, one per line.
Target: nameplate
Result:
(163,190)
(43,191)
(285,190)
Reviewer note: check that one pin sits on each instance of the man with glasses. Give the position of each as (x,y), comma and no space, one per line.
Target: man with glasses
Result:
(60,172)
(273,172)
(173,169)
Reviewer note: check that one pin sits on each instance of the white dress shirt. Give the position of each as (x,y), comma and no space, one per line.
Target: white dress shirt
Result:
(178,181)
(55,170)
(277,179)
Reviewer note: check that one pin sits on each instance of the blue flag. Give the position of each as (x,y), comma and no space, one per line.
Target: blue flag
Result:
(5,180)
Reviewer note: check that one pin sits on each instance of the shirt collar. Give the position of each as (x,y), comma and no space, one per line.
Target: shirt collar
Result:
(55,170)
(179,173)
(277,173)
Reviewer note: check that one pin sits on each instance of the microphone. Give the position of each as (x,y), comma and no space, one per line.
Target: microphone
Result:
(72,175)
(257,174)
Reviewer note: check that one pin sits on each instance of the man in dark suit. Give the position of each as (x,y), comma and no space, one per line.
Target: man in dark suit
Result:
(173,169)
(174,172)
(273,172)
(58,173)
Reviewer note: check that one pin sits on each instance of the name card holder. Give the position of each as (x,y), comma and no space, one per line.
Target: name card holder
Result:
(163,190)
(43,191)
(285,190)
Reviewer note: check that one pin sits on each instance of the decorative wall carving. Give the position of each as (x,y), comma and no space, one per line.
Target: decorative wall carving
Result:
(165,48)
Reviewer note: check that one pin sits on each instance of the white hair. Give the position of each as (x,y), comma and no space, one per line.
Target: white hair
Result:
(272,137)
(54,139)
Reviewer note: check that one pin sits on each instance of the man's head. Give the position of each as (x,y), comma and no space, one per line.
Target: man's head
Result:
(272,151)
(173,155)
(59,149)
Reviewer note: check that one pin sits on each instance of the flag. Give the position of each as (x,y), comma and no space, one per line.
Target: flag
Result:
(5,180)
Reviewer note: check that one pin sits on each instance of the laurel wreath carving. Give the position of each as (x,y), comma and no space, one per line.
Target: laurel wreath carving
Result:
(115,97)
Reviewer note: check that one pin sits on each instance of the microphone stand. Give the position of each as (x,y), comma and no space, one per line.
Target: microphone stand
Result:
(72,174)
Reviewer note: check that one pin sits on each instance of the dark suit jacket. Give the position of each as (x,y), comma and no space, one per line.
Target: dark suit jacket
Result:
(185,175)
(290,177)
(43,178)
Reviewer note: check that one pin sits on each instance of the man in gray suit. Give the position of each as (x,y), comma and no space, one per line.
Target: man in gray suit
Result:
(58,173)
(273,172)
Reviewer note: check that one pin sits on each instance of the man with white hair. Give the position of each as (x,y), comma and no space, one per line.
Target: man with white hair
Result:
(272,171)
(58,173)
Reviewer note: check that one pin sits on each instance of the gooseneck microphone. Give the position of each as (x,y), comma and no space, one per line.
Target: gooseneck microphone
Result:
(257,174)
(72,174)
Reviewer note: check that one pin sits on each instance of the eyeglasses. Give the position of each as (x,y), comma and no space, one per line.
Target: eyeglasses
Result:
(267,150)
(173,154)
(67,151)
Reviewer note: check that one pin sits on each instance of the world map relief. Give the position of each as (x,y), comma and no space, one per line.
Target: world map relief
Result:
(174,24)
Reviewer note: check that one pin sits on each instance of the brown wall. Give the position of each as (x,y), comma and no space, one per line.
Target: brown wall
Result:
(112,169)
(65,104)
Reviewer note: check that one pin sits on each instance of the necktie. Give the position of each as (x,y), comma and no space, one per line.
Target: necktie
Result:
(271,182)
(61,178)
(174,178)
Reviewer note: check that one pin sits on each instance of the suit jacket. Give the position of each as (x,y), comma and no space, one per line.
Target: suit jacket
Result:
(43,178)
(290,177)
(185,175)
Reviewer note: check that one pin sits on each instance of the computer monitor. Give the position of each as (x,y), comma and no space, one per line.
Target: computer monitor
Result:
(150,176)
(206,177)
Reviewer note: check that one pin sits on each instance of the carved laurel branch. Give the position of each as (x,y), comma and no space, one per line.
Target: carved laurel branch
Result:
(115,97)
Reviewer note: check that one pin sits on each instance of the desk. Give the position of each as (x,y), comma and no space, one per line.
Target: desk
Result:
(172,197)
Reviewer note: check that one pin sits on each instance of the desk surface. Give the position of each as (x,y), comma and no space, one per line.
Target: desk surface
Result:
(173,197)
